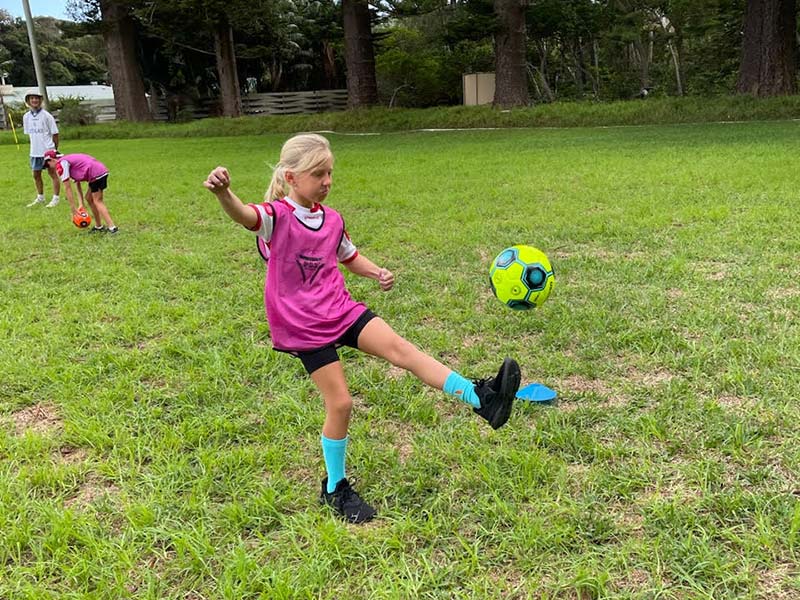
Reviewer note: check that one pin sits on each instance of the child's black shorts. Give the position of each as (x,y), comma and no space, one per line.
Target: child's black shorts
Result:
(316,359)
(98,184)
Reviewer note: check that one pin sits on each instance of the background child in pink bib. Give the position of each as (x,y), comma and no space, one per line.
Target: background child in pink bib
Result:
(84,168)
(311,313)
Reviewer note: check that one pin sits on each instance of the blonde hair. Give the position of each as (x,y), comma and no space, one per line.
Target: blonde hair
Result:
(300,154)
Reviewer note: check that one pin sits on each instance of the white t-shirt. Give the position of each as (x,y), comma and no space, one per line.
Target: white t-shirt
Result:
(41,127)
(310,217)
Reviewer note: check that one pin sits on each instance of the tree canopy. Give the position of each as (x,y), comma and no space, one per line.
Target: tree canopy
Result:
(541,50)
(70,55)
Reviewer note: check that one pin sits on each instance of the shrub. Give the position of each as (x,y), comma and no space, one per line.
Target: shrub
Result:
(71,111)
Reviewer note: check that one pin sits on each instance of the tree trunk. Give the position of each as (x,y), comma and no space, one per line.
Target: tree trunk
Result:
(769,64)
(362,86)
(542,71)
(676,62)
(328,64)
(596,60)
(642,53)
(119,33)
(231,96)
(510,84)
(580,63)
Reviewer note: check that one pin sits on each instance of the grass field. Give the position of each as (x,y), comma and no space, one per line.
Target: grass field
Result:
(154,446)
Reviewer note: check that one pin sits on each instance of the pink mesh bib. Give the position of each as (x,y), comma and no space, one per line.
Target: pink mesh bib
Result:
(307,303)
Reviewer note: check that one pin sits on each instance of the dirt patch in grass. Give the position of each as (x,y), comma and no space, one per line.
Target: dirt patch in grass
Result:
(360,404)
(155,564)
(783,293)
(93,489)
(309,475)
(675,294)
(649,378)
(510,582)
(40,418)
(71,456)
(714,270)
(629,519)
(575,386)
(777,583)
(634,580)
(403,434)
(735,403)
(395,372)
(671,486)
(471,341)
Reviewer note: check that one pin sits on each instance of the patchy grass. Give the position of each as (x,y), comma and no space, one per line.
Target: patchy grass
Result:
(154,446)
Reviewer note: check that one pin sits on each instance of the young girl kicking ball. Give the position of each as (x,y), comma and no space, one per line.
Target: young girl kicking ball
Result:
(311,313)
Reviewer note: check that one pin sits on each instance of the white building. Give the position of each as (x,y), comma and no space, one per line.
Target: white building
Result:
(14,95)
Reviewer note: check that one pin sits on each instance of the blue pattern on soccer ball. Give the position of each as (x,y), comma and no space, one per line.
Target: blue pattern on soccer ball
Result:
(521,277)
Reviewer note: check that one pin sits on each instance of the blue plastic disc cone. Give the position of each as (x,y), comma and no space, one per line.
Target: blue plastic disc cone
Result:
(536,392)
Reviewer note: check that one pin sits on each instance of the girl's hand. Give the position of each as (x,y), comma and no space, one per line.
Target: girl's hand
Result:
(218,181)
(386,279)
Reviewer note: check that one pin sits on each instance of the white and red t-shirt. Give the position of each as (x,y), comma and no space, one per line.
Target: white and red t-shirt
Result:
(312,218)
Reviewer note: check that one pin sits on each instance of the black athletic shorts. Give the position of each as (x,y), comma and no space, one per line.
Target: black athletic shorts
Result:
(98,184)
(316,359)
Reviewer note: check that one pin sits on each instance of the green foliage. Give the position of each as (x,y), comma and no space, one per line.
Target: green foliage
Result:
(576,49)
(409,70)
(711,44)
(280,46)
(73,111)
(69,55)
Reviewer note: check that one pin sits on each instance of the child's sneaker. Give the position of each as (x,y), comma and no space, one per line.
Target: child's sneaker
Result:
(113,229)
(38,200)
(96,229)
(53,203)
(346,502)
(497,394)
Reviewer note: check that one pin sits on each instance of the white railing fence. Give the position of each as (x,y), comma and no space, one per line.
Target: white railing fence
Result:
(280,103)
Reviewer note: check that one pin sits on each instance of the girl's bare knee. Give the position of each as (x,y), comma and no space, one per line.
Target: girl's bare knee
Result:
(340,405)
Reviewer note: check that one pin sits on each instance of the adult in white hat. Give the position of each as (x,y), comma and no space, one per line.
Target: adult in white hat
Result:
(41,127)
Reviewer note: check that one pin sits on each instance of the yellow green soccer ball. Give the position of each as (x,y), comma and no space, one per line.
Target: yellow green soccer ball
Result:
(522,277)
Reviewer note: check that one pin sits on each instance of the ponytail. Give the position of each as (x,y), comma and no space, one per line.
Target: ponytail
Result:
(277,187)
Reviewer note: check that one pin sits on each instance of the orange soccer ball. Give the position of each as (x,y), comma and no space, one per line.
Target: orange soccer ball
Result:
(81,219)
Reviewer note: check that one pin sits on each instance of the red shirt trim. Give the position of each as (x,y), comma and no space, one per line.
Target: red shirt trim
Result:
(351,259)
(257,226)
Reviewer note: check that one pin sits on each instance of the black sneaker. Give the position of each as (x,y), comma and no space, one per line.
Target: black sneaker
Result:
(100,229)
(346,502)
(497,394)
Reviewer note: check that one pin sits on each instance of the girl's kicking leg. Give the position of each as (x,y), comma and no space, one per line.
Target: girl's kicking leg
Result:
(336,490)
(491,398)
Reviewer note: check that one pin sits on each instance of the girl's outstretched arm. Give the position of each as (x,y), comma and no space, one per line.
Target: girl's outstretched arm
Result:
(363,266)
(218,182)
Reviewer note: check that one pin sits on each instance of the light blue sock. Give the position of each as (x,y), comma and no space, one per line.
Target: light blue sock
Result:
(333,452)
(462,388)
